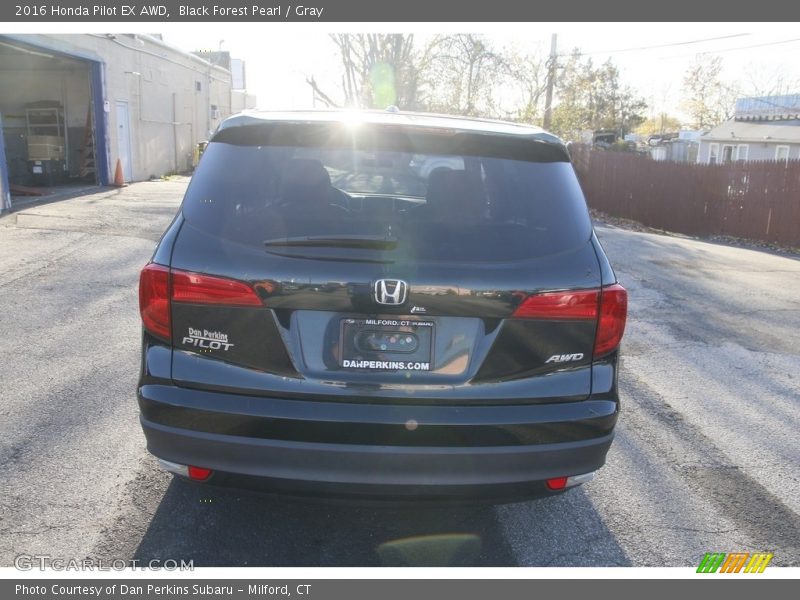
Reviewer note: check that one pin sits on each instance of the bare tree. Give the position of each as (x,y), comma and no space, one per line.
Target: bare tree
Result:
(319,95)
(464,69)
(770,82)
(447,73)
(526,79)
(707,98)
(378,70)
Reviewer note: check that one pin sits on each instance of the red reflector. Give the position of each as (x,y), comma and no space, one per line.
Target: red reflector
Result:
(196,288)
(556,483)
(611,324)
(154,300)
(199,473)
(575,304)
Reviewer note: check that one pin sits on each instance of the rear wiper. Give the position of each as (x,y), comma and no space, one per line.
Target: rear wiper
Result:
(379,242)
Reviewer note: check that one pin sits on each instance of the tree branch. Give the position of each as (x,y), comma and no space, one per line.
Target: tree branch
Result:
(319,94)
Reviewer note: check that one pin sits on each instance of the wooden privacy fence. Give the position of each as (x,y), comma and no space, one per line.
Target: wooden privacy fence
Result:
(756,200)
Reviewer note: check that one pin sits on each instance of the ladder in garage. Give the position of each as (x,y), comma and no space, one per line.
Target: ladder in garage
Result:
(87,166)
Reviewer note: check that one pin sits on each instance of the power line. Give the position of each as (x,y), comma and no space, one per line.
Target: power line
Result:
(739,48)
(669,45)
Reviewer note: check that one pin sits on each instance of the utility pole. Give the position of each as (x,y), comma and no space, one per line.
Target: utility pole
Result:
(551,80)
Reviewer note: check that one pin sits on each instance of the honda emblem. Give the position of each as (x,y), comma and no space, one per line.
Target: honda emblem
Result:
(390,291)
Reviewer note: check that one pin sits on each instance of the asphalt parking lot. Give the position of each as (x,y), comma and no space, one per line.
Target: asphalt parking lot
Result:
(707,454)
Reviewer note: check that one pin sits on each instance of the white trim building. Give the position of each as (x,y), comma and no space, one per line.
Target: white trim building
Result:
(131,97)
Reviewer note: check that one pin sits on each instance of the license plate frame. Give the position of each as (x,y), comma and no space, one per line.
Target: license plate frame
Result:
(386,344)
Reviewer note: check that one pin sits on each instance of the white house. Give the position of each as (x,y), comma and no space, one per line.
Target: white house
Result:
(766,128)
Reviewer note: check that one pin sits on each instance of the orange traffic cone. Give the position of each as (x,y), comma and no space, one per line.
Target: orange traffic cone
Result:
(119,180)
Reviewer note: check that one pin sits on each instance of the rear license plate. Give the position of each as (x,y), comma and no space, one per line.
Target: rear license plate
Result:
(386,344)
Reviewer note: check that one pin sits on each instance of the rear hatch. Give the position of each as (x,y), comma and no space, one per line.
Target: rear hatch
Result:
(315,260)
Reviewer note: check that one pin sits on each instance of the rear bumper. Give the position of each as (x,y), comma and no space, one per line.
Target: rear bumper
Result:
(379,451)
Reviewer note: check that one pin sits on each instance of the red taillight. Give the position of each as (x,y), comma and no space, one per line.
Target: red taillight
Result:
(576,304)
(193,288)
(611,324)
(196,288)
(608,306)
(198,473)
(556,483)
(154,300)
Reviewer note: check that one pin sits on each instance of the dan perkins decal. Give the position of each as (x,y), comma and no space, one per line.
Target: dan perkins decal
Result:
(386,364)
(207,340)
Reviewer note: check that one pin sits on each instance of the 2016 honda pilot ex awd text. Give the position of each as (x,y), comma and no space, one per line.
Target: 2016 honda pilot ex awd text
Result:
(326,317)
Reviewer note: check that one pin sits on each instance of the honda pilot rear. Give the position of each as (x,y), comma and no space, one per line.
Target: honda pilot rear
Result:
(325,317)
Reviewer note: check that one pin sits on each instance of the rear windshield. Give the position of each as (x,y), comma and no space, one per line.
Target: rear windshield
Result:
(426,197)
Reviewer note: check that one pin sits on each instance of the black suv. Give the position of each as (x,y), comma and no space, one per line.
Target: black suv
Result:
(323,317)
